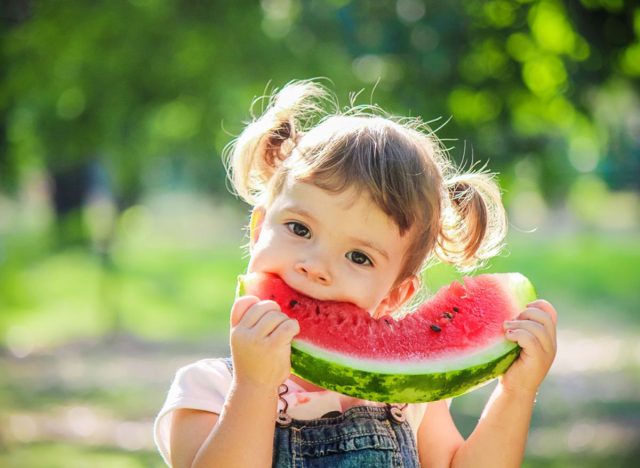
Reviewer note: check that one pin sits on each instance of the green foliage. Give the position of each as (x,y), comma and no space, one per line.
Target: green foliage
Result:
(141,82)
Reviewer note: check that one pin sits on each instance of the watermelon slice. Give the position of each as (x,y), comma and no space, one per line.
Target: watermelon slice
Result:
(452,343)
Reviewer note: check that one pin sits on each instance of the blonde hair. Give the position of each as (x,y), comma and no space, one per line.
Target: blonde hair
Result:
(399,162)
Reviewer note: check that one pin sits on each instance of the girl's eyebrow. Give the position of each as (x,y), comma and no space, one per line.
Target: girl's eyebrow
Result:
(300,211)
(368,244)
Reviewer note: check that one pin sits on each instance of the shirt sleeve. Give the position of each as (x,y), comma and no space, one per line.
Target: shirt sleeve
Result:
(203,385)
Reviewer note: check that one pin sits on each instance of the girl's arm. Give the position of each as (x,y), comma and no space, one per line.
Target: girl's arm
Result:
(243,433)
(438,437)
(500,437)
(241,436)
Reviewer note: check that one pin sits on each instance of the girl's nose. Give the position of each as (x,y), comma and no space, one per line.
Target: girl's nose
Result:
(314,272)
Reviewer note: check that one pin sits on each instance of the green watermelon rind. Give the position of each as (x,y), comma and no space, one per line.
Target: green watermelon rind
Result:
(398,388)
(398,382)
(500,347)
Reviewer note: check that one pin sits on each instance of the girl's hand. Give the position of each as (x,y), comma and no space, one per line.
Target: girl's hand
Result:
(535,331)
(261,342)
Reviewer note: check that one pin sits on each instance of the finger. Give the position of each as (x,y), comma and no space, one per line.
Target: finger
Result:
(256,311)
(537,330)
(240,307)
(542,317)
(527,341)
(545,306)
(269,322)
(285,332)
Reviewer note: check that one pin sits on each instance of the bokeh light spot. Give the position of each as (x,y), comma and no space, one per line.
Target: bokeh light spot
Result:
(500,13)
(551,28)
(177,120)
(371,68)
(71,104)
(485,60)
(583,154)
(521,47)
(424,38)
(278,16)
(545,75)
(630,61)
(410,11)
(528,210)
(471,106)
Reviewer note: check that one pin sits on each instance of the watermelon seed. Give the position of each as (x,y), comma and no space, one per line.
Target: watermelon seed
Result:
(317,310)
(447,315)
(455,309)
(293,303)
(435,328)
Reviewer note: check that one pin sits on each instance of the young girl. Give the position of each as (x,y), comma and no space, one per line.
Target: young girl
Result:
(347,208)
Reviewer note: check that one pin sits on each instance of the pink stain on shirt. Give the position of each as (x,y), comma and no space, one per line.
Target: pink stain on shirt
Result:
(301,399)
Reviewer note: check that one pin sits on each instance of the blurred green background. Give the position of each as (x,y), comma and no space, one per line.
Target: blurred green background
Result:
(119,242)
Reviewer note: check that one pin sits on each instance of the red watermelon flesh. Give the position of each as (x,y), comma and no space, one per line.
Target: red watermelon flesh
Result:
(451,343)
(458,318)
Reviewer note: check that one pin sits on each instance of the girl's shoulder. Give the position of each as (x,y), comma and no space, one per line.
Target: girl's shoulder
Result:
(203,376)
(207,365)
(201,385)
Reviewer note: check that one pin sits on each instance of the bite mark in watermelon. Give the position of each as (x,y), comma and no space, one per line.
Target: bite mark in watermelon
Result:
(453,343)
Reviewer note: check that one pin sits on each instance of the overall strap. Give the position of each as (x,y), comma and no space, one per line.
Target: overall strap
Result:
(283,419)
(229,363)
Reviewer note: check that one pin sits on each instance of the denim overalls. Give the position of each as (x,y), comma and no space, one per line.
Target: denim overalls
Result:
(362,436)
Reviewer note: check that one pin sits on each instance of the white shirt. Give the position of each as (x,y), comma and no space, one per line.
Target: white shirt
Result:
(204,386)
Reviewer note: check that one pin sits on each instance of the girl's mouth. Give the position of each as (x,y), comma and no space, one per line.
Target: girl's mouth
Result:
(316,297)
(299,290)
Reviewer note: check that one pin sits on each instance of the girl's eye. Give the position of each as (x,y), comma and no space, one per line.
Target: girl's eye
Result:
(299,229)
(358,258)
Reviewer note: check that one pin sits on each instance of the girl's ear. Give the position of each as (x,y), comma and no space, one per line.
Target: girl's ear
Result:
(398,296)
(255,224)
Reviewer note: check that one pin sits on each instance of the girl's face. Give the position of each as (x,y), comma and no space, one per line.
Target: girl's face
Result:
(339,247)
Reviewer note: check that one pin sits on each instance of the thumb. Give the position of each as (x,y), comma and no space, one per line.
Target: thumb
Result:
(239,308)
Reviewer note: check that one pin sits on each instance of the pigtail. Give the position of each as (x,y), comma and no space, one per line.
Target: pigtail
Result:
(474,221)
(254,157)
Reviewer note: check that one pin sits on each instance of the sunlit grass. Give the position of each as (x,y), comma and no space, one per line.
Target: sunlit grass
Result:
(61,455)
